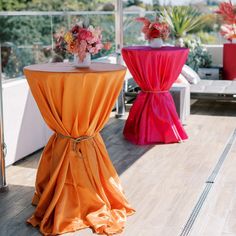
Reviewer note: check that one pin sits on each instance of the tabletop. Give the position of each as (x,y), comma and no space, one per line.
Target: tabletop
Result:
(148,48)
(65,67)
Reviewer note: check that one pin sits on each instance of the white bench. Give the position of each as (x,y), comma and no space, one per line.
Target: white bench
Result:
(181,95)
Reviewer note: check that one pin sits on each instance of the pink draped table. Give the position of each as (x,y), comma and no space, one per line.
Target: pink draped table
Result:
(153,117)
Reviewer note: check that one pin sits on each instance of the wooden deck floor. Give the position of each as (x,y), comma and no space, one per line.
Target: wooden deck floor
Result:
(163,182)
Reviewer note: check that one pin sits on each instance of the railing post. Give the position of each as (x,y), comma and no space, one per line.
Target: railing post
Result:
(51,27)
(3,185)
(120,103)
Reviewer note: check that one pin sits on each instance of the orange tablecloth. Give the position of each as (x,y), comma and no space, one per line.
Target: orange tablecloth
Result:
(77,185)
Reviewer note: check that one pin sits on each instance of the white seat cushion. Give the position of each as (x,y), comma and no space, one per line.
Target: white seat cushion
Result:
(181,80)
(190,75)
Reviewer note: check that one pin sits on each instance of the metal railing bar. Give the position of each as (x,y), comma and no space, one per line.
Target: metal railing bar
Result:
(54,13)
(61,13)
(3,184)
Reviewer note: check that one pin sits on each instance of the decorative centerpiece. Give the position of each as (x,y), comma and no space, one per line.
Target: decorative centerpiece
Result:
(228,13)
(155,31)
(82,41)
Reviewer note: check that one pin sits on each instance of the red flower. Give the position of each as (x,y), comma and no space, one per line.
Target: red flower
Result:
(154,29)
(84,34)
(75,29)
(156,25)
(143,20)
(228,31)
(107,46)
(154,34)
(228,12)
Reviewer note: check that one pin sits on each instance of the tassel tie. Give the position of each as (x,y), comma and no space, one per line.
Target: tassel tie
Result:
(75,141)
(155,91)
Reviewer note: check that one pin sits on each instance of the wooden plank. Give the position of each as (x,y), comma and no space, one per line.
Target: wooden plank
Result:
(218,217)
(17,225)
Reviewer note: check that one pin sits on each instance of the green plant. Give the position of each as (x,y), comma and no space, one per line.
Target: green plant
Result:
(207,38)
(182,19)
(14,59)
(198,55)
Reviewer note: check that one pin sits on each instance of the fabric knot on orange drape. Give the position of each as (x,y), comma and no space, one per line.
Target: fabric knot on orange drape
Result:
(75,141)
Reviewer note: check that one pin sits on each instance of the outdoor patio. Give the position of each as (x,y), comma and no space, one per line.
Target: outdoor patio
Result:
(163,182)
(166,70)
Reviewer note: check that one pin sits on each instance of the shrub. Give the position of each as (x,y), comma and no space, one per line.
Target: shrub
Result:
(198,55)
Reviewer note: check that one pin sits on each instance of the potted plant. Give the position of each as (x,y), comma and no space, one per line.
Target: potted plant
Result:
(200,60)
(181,20)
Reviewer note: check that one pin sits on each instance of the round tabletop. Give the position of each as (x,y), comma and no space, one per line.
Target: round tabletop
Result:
(148,48)
(65,67)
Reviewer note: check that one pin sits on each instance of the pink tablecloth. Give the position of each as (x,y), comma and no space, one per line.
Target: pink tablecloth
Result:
(229,58)
(153,117)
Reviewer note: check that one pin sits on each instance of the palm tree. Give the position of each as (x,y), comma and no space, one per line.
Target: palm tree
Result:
(182,19)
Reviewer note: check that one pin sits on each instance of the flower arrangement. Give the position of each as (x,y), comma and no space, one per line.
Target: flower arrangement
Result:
(155,29)
(228,13)
(228,31)
(81,40)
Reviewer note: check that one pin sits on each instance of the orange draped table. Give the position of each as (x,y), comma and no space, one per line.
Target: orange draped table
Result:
(76,184)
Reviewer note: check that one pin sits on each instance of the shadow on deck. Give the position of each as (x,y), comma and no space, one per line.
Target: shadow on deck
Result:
(214,108)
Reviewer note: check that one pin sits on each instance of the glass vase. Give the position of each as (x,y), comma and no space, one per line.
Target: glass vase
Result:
(86,62)
(156,43)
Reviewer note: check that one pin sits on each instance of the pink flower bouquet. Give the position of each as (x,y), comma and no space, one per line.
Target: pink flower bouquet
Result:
(228,13)
(154,29)
(81,40)
(228,31)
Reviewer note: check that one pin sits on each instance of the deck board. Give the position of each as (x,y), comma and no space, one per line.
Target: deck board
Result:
(218,215)
(162,182)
